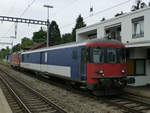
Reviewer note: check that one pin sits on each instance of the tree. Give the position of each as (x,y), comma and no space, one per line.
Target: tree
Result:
(4,52)
(143,5)
(39,36)
(118,14)
(103,19)
(66,38)
(54,33)
(16,48)
(79,23)
(26,42)
(139,4)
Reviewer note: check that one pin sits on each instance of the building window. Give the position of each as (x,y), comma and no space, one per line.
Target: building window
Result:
(138,27)
(140,67)
(136,67)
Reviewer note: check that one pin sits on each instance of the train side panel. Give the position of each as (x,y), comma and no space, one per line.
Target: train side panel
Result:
(63,62)
(31,61)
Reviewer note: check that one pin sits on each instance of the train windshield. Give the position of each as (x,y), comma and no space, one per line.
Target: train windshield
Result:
(121,55)
(111,55)
(106,55)
(98,55)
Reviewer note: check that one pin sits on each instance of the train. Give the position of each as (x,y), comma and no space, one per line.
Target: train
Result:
(97,65)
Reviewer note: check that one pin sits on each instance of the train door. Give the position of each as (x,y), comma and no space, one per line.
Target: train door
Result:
(83,64)
(43,61)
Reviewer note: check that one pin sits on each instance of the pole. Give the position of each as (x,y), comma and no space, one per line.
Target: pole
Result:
(47,27)
(47,32)
(48,23)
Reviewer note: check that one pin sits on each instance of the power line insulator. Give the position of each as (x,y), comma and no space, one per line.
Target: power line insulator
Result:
(91,9)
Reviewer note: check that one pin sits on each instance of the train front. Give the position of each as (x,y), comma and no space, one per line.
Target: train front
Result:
(106,67)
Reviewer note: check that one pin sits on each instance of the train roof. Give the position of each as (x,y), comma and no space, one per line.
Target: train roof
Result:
(72,44)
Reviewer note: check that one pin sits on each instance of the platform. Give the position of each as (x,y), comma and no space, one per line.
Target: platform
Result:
(4,106)
(139,91)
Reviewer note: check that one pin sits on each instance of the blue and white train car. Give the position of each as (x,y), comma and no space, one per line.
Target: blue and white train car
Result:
(63,61)
(100,64)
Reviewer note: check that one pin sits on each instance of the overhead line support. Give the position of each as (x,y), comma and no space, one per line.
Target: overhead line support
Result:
(23,20)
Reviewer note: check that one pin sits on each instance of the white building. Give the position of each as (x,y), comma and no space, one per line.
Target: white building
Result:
(132,29)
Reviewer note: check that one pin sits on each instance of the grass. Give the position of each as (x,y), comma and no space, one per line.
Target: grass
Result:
(4,63)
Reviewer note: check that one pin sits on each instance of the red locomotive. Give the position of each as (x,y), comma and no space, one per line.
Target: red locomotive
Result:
(15,60)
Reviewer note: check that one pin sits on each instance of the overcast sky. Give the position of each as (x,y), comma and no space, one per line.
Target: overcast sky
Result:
(64,13)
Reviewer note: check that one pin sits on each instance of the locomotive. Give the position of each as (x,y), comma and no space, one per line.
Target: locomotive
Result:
(98,65)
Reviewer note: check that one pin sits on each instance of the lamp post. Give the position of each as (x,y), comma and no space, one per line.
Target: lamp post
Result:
(48,7)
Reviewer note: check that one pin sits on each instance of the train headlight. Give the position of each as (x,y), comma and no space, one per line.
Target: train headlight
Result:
(100,71)
(123,71)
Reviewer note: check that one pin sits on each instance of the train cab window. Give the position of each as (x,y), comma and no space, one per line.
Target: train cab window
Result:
(111,55)
(98,55)
(121,55)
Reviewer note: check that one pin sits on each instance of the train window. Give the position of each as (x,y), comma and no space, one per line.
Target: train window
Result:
(45,57)
(83,56)
(28,55)
(22,57)
(98,55)
(74,54)
(111,55)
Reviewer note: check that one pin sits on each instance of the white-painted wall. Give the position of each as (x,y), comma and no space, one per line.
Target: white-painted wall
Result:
(126,26)
(126,37)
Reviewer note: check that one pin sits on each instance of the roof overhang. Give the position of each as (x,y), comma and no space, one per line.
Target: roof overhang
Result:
(137,44)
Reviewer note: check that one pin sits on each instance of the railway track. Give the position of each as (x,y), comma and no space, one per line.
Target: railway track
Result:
(129,104)
(23,98)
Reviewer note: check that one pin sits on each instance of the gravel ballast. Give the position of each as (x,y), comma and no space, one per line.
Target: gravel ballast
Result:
(70,101)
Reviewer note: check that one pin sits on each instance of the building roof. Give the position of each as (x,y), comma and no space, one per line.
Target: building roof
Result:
(138,44)
(36,46)
(72,44)
(118,17)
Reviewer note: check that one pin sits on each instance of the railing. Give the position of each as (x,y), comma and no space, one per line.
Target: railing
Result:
(115,38)
(137,35)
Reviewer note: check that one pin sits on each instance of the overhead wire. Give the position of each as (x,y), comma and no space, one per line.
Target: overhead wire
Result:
(65,7)
(98,12)
(12,7)
(24,11)
(104,10)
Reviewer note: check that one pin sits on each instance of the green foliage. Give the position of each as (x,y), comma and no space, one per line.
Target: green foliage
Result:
(54,34)
(16,48)
(26,42)
(79,23)
(39,36)
(118,14)
(4,52)
(139,4)
(66,38)
(103,19)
